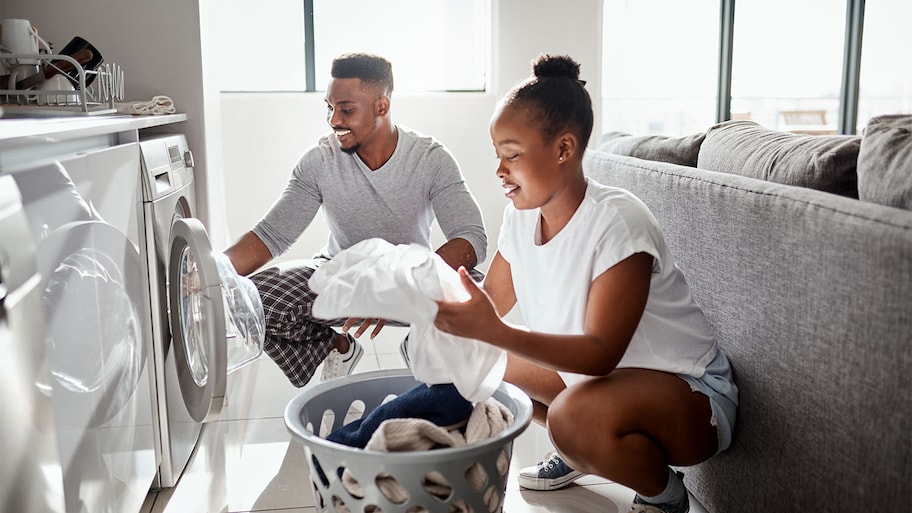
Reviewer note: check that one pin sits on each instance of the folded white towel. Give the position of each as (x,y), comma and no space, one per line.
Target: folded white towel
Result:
(157,106)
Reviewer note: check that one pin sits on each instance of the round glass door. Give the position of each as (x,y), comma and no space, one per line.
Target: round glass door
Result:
(197,320)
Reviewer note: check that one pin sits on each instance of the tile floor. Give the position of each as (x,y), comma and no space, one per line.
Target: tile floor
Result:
(247,461)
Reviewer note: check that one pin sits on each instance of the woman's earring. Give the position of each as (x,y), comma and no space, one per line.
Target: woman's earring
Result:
(560,158)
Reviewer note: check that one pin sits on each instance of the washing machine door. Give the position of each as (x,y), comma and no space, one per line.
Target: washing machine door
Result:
(93,296)
(197,317)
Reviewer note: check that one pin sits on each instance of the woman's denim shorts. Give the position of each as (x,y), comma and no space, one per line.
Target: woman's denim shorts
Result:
(717,384)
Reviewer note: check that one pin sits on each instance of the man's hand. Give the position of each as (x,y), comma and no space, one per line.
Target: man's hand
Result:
(365,323)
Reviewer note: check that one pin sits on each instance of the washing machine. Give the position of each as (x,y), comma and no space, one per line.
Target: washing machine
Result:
(84,213)
(206,321)
(31,476)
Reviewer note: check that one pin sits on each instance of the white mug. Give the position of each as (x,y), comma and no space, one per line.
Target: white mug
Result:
(20,37)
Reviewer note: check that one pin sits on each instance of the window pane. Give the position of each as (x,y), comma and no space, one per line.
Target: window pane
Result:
(886,68)
(434,45)
(787,62)
(261,45)
(660,66)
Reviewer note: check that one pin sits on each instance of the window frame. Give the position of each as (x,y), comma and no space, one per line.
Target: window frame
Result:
(851,64)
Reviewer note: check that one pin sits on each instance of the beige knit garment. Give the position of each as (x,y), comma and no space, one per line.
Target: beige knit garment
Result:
(400,435)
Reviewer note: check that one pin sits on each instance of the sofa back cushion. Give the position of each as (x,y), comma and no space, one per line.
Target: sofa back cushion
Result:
(823,162)
(885,162)
(675,150)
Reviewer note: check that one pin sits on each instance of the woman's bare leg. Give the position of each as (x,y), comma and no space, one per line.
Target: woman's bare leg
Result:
(630,425)
(540,384)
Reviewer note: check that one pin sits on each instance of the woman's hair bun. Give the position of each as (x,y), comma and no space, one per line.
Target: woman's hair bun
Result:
(555,66)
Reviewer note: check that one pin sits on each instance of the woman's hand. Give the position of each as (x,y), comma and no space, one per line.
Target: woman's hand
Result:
(475,318)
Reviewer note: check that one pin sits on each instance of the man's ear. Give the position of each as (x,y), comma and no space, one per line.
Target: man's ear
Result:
(383,106)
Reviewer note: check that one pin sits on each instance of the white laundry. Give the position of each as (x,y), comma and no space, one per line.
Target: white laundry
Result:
(158,105)
(376,279)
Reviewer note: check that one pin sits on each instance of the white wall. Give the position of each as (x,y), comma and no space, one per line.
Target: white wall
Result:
(263,134)
(160,47)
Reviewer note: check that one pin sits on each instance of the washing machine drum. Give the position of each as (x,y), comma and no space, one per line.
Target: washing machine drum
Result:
(94,301)
(217,320)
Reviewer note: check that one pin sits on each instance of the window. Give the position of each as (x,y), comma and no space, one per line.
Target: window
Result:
(886,72)
(261,45)
(434,45)
(787,61)
(660,63)
(787,65)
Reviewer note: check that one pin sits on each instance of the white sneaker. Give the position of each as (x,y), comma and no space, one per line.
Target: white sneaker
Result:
(337,365)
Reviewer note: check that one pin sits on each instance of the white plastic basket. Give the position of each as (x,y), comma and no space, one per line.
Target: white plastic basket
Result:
(475,475)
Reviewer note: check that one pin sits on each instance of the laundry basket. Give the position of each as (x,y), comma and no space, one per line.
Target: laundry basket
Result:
(470,478)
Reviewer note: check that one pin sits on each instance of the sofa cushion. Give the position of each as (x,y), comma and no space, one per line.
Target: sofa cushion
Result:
(822,162)
(675,150)
(885,162)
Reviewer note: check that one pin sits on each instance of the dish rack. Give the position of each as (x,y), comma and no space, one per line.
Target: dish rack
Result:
(95,99)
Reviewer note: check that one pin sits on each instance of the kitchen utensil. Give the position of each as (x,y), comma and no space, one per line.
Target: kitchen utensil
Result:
(57,66)
(20,37)
(76,44)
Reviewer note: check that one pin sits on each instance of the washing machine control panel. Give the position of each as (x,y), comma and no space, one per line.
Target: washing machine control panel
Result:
(167,164)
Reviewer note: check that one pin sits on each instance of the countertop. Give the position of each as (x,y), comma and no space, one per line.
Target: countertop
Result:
(14,131)
(24,142)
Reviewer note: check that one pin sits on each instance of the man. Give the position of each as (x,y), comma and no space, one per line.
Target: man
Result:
(373,179)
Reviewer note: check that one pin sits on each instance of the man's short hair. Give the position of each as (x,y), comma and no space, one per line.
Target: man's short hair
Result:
(371,69)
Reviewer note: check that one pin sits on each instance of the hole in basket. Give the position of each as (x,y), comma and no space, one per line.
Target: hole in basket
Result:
(355,411)
(373,508)
(460,506)
(417,509)
(476,477)
(326,423)
(318,471)
(391,489)
(319,496)
(503,463)
(388,398)
(338,504)
(351,485)
(309,427)
(435,484)
(492,499)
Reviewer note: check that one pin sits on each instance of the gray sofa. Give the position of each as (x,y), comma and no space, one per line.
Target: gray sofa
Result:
(810,295)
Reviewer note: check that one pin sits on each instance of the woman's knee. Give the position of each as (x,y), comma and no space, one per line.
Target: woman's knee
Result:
(574,425)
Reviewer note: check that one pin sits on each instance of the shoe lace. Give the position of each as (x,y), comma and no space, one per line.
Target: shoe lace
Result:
(332,363)
(550,460)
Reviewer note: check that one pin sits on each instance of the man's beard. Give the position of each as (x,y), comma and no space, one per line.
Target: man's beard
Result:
(351,150)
